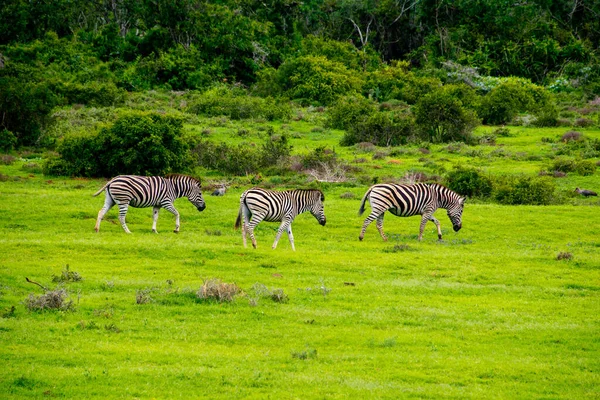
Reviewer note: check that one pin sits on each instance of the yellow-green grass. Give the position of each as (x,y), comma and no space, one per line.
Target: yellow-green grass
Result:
(487,313)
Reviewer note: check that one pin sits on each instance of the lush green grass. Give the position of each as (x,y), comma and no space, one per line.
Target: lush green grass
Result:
(488,313)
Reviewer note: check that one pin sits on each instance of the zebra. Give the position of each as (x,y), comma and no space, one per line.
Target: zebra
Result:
(408,200)
(149,191)
(262,204)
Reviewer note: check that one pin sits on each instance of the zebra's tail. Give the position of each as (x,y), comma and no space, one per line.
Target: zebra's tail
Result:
(361,210)
(238,221)
(102,189)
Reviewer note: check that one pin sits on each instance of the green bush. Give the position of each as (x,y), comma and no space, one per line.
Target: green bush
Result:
(395,81)
(137,144)
(317,79)
(381,129)
(95,94)
(513,96)
(469,182)
(8,140)
(348,111)
(441,118)
(526,190)
(320,155)
(563,165)
(585,167)
(25,108)
(236,104)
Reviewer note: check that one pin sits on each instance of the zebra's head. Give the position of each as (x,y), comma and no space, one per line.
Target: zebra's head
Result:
(455,210)
(317,209)
(195,196)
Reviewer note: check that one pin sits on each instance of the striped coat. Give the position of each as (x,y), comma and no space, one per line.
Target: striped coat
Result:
(258,204)
(408,200)
(149,191)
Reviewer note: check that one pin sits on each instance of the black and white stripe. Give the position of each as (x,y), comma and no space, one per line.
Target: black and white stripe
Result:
(149,191)
(260,204)
(408,200)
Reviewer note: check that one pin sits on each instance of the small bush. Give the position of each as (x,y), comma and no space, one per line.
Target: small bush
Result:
(308,353)
(51,300)
(7,159)
(441,118)
(469,182)
(8,140)
(143,296)
(585,167)
(502,132)
(563,165)
(214,289)
(67,276)
(347,195)
(564,256)
(381,129)
(583,122)
(526,190)
(348,111)
(571,136)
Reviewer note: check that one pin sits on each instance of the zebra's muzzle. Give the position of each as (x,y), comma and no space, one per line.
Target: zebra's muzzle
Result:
(201,208)
(456,227)
(322,222)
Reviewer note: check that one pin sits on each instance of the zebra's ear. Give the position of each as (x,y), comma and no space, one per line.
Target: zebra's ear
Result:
(462,200)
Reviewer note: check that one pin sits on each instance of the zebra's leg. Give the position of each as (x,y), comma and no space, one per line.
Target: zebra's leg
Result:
(256,218)
(372,217)
(291,236)
(170,208)
(426,217)
(154,218)
(123,207)
(108,204)
(285,225)
(245,221)
(379,225)
(437,224)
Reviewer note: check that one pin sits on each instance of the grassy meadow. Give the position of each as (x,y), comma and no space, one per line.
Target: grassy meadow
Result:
(489,312)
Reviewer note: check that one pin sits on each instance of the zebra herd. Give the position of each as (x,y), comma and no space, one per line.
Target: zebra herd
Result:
(258,204)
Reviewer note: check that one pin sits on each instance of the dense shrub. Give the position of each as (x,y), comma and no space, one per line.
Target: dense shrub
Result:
(235,103)
(526,190)
(96,94)
(138,144)
(514,95)
(395,81)
(348,111)
(585,167)
(25,108)
(442,118)
(469,182)
(563,165)
(316,79)
(8,140)
(381,129)
(320,155)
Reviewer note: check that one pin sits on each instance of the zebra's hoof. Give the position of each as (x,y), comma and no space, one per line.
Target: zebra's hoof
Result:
(176,231)
(360,238)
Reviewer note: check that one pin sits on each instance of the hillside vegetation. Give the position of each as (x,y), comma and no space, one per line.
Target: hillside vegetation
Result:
(498,100)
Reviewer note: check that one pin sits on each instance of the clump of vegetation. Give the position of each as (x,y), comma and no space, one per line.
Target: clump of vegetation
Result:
(526,190)
(571,136)
(8,140)
(57,299)
(307,354)
(214,289)
(143,296)
(138,143)
(348,111)
(381,129)
(261,291)
(7,159)
(67,276)
(564,256)
(398,248)
(469,182)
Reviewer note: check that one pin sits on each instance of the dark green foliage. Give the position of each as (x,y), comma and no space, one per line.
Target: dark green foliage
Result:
(526,190)
(137,144)
(513,96)
(469,182)
(25,108)
(235,103)
(586,167)
(316,79)
(242,159)
(397,82)
(440,117)
(320,155)
(8,140)
(348,111)
(381,129)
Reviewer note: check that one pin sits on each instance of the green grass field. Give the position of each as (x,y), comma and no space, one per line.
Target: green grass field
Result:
(490,312)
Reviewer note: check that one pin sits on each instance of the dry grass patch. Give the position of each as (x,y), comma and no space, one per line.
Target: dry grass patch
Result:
(214,289)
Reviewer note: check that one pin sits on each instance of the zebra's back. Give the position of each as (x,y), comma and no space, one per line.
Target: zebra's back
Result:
(401,200)
(268,202)
(140,191)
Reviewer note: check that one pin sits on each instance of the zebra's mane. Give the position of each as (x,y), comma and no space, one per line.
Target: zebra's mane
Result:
(182,176)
